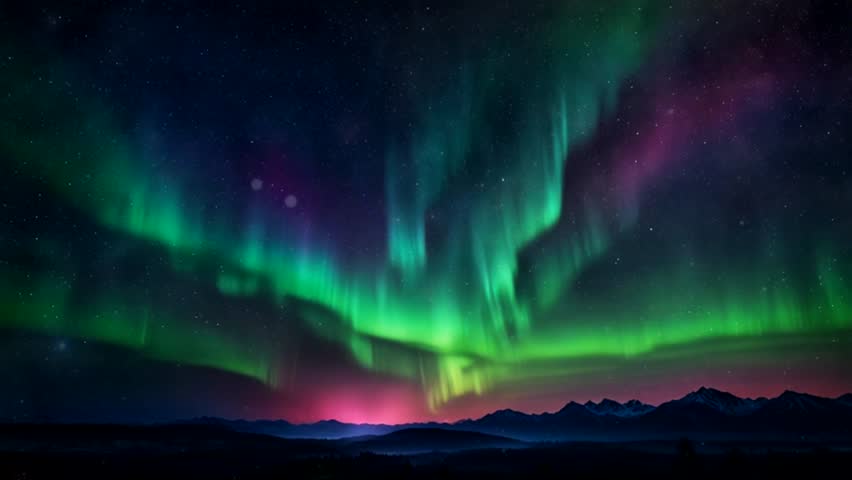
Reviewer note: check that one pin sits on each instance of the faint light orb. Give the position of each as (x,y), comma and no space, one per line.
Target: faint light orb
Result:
(256,184)
(62,345)
(291,201)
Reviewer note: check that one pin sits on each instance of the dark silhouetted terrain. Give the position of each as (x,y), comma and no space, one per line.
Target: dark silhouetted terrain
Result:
(706,414)
(705,434)
(193,451)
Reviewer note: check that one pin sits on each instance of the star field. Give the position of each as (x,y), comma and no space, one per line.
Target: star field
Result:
(416,211)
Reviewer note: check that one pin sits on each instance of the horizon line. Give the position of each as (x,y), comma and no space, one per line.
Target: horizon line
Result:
(462,419)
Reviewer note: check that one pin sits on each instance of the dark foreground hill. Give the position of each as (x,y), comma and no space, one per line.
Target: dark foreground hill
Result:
(705,434)
(109,452)
(424,440)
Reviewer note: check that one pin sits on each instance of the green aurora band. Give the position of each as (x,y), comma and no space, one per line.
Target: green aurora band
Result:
(451,315)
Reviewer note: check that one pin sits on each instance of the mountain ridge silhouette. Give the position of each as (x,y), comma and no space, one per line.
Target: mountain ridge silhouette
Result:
(703,412)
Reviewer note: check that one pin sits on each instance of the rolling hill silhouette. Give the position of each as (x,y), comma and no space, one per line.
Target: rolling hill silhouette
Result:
(421,440)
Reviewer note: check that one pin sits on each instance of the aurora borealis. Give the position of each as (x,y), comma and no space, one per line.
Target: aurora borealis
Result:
(420,211)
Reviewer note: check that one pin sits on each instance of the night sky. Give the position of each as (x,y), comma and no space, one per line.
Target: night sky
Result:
(398,211)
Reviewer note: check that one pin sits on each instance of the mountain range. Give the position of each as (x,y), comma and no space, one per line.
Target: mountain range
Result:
(704,413)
